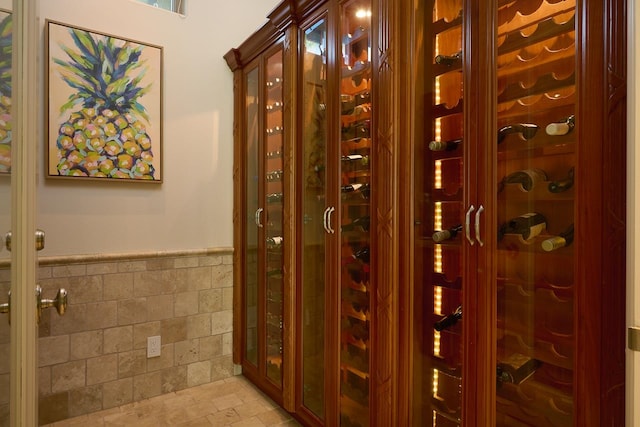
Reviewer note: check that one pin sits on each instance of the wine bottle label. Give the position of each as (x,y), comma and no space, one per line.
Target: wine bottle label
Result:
(553,243)
(558,129)
(275,241)
(437,146)
(356,187)
(440,236)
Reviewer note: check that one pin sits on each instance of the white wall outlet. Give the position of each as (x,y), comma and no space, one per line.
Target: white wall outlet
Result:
(153,346)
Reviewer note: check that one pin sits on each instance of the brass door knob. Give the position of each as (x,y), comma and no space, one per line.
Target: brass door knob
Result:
(6,308)
(59,302)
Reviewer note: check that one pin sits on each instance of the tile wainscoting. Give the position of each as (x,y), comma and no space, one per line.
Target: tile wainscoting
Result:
(94,357)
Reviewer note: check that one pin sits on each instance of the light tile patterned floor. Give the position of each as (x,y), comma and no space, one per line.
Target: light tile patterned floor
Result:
(232,402)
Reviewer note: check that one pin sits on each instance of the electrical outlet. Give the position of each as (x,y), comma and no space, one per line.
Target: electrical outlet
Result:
(153,346)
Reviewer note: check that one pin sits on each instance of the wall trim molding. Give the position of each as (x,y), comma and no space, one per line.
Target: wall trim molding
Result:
(91,258)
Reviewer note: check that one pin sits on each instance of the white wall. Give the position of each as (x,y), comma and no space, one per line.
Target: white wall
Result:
(192,209)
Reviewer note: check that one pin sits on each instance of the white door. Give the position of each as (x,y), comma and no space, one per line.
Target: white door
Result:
(18,404)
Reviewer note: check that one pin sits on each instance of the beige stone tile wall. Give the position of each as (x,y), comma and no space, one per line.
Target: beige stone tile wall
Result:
(94,357)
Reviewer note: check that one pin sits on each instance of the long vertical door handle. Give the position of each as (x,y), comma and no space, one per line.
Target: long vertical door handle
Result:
(331,210)
(324,221)
(258,214)
(467,224)
(480,210)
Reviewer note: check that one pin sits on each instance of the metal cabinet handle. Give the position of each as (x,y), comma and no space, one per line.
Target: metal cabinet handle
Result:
(258,214)
(467,224)
(331,210)
(480,210)
(324,220)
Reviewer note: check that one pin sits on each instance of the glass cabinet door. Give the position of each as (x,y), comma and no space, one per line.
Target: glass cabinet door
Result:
(313,189)
(252,209)
(273,209)
(536,100)
(263,236)
(353,214)
(439,218)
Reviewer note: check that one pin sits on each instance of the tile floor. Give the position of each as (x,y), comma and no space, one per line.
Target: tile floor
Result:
(231,402)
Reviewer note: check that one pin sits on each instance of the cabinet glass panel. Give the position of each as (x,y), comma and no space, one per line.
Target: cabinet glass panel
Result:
(536,101)
(253,216)
(274,138)
(314,87)
(437,339)
(354,211)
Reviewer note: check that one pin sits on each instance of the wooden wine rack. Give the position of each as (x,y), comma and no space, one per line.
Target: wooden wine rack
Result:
(536,84)
(356,136)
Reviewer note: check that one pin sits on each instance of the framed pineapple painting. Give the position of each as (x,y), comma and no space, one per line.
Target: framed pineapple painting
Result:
(104,106)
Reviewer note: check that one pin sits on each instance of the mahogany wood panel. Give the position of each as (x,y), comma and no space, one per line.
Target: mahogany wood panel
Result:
(385,52)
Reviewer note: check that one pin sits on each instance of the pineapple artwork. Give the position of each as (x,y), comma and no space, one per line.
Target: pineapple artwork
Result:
(103,127)
(5,92)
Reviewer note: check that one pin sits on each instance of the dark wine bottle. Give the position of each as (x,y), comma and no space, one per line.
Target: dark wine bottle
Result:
(527,178)
(363,189)
(527,130)
(362,222)
(441,236)
(561,240)
(362,254)
(448,60)
(445,145)
(528,226)
(562,127)
(448,320)
(562,184)
(516,368)
(275,197)
(274,242)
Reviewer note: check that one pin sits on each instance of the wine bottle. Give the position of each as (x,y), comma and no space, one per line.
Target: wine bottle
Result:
(275,175)
(361,222)
(448,320)
(274,242)
(528,131)
(561,240)
(516,368)
(445,145)
(356,158)
(275,130)
(528,226)
(562,184)
(527,178)
(448,60)
(363,189)
(441,236)
(562,127)
(362,254)
(275,197)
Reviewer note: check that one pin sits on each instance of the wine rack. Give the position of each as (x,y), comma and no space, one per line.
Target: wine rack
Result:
(439,282)
(355,210)
(536,85)
(274,165)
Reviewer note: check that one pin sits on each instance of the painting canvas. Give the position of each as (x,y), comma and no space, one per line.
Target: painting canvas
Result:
(5,92)
(104,106)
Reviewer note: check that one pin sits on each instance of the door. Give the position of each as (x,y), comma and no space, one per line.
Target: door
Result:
(20,409)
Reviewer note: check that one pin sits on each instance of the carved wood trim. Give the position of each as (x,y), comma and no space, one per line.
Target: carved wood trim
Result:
(384,201)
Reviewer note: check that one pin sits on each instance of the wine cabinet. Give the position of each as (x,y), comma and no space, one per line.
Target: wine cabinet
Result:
(502,171)
(429,222)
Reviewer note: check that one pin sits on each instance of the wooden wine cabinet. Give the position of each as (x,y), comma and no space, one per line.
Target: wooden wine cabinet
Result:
(337,104)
